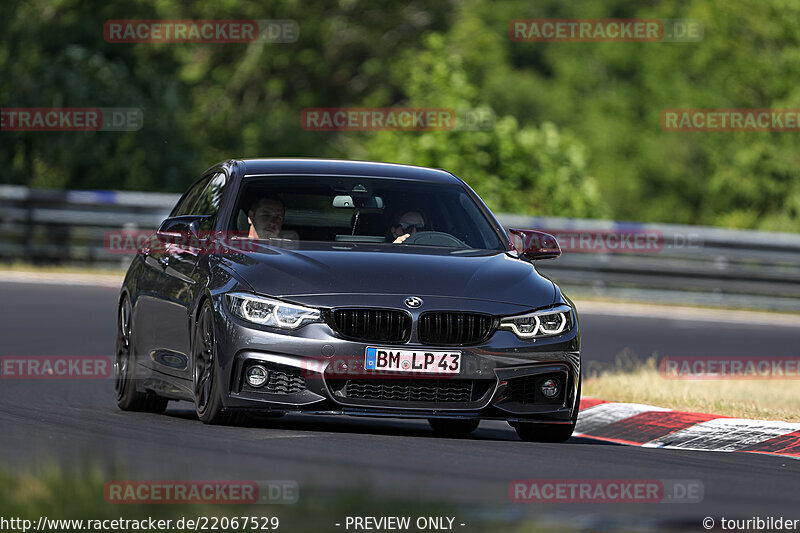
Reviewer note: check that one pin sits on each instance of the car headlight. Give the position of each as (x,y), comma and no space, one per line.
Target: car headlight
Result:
(269,312)
(545,323)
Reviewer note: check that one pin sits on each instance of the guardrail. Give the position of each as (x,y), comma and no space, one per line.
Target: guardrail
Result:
(697,265)
(690,265)
(44,226)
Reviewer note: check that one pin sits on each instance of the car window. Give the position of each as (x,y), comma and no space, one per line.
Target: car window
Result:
(207,203)
(186,204)
(204,199)
(444,212)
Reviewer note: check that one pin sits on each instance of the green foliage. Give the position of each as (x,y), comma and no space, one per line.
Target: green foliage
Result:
(514,169)
(578,124)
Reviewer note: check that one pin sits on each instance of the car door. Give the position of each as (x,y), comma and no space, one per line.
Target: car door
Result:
(176,284)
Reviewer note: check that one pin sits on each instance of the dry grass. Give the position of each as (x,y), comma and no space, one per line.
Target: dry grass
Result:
(640,382)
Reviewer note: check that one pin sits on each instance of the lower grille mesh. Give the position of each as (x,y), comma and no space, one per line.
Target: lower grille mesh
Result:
(408,390)
(522,390)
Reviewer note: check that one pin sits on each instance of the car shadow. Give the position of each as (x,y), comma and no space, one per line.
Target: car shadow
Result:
(488,430)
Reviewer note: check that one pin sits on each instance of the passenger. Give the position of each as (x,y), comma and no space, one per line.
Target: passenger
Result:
(407,225)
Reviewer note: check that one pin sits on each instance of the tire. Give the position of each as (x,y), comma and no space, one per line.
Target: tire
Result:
(128,398)
(205,377)
(533,432)
(453,426)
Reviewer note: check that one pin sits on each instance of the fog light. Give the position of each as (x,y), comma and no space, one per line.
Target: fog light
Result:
(257,376)
(550,388)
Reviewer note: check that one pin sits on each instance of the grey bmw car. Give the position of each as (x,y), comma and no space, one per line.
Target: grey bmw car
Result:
(345,287)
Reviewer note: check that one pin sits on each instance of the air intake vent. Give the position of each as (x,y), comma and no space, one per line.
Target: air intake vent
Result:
(455,329)
(528,390)
(406,390)
(372,325)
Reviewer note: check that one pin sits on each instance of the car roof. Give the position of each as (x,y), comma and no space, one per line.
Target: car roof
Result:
(339,167)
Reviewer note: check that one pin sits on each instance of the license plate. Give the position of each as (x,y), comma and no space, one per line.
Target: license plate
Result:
(413,361)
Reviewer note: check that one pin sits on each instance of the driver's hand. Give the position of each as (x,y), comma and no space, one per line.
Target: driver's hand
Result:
(401,238)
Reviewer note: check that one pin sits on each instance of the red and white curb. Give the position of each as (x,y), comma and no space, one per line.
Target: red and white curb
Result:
(656,427)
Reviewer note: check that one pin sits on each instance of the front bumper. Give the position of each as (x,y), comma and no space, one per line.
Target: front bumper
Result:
(313,370)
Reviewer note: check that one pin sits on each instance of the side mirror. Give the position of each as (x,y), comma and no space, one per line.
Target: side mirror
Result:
(532,244)
(182,226)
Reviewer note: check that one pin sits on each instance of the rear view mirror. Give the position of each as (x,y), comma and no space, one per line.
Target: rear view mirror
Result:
(371,202)
(343,201)
(532,244)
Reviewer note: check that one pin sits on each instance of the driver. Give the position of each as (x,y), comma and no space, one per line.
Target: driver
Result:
(407,225)
(266,217)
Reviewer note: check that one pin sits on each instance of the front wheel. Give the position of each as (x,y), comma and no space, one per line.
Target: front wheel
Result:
(205,379)
(453,426)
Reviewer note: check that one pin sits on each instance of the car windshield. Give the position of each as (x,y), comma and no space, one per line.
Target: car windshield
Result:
(362,210)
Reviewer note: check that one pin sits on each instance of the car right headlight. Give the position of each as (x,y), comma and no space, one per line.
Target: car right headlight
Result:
(269,312)
(544,323)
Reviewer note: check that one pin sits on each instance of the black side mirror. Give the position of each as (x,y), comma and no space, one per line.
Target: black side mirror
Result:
(188,225)
(532,244)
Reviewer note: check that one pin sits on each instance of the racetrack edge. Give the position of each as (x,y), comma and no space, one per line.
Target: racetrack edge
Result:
(650,426)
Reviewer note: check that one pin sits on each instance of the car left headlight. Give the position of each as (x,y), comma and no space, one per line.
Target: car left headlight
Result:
(269,312)
(544,323)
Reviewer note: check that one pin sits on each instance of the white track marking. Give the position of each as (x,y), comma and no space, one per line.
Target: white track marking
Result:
(724,435)
(604,414)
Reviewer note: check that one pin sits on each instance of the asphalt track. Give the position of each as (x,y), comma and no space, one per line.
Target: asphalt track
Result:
(76,422)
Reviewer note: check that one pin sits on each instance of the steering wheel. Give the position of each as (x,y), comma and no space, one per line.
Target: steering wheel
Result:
(435,238)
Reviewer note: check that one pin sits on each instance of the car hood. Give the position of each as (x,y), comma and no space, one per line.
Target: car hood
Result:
(327,274)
